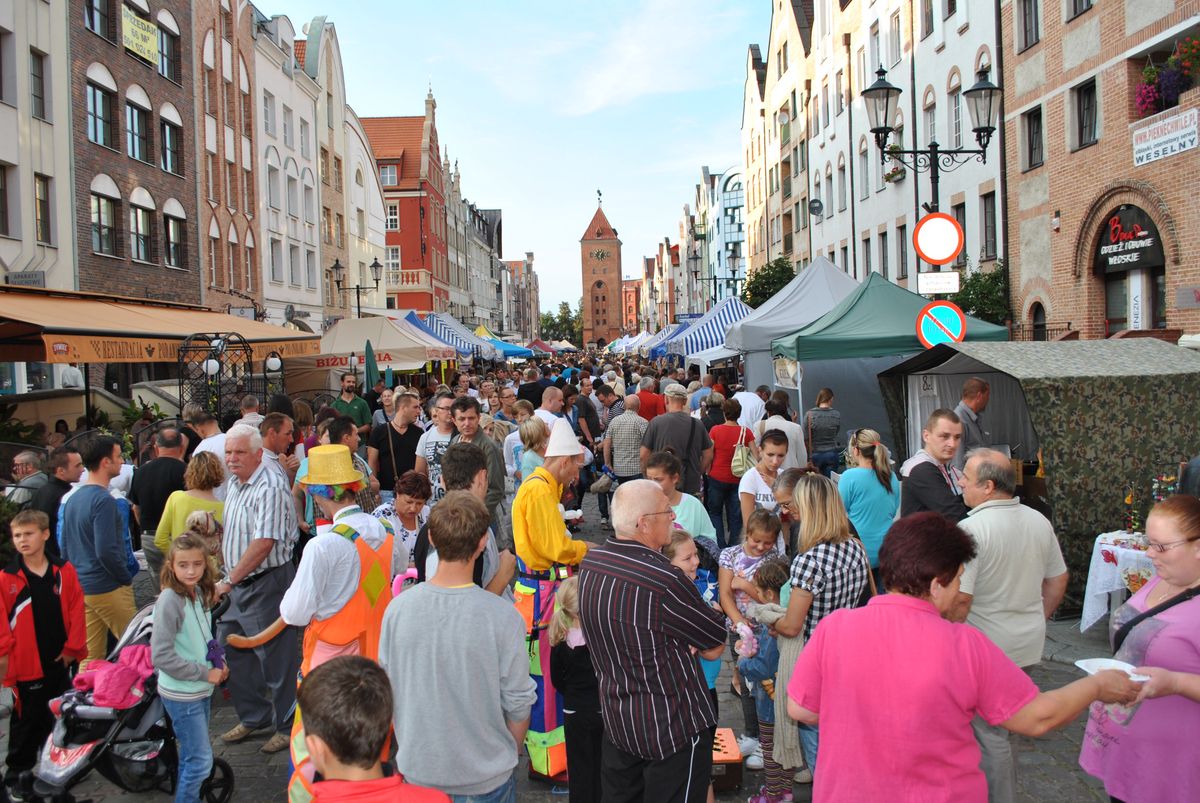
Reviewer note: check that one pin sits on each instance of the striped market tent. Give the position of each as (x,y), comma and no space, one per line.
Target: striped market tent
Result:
(709,331)
(449,329)
(654,346)
(461,348)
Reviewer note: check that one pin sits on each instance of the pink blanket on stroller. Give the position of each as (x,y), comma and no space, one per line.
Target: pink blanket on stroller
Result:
(119,685)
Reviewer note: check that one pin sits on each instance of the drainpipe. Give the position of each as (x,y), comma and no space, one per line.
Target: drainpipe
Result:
(850,154)
(1002,207)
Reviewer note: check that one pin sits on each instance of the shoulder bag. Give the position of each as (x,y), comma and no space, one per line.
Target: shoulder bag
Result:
(743,458)
(1127,628)
(870,589)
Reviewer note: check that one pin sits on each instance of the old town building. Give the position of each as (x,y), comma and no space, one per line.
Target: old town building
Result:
(631,305)
(524,307)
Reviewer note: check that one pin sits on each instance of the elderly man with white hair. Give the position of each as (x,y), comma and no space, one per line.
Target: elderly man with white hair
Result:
(260,531)
(643,621)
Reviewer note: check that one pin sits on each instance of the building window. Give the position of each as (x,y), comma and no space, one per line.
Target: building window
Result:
(248,192)
(100,103)
(1086,117)
(293,197)
(173,241)
(802,213)
(1034,147)
(5,231)
(310,205)
(846,267)
(273,186)
(227,25)
(902,252)
(41,208)
(268,112)
(864,169)
(310,269)
(841,188)
(304,147)
(37,84)
(137,132)
(214,245)
(247,115)
(895,36)
(276,261)
(231,193)
(866,252)
(392,258)
(339,230)
(172,157)
(231,264)
(1079,6)
(248,258)
(210,176)
(140,227)
(873,43)
(324,166)
(1031,28)
(1116,302)
(1158,298)
(393,217)
(825,102)
(104,231)
(294,266)
(387,175)
(326,226)
(955,119)
(839,99)
(337,173)
(951,7)
(96,16)
(829,194)
(883,254)
(168,55)
(987,203)
(287,128)
(930,123)
(960,214)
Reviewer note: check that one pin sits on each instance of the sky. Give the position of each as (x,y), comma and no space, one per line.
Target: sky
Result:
(544,103)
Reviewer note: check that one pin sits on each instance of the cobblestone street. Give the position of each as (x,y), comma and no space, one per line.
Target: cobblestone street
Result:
(1048,768)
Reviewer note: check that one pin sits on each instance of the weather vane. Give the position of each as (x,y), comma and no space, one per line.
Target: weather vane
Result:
(599,198)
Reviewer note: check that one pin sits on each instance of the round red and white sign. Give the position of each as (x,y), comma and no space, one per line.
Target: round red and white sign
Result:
(938,239)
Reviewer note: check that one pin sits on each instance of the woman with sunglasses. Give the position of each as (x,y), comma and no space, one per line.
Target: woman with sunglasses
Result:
(1135,750)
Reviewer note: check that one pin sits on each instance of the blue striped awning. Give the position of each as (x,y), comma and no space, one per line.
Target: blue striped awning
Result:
(461,347)
(449,329)
(654,346)
(709,331)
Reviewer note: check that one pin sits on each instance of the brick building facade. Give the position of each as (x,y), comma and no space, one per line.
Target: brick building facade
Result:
(134,148)
(600,266)
(1072,131)
(631,305)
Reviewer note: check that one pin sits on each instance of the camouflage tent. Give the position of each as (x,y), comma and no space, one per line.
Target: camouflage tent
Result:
(1108,414)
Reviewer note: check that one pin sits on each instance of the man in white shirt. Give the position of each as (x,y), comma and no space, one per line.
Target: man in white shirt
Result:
(1014,584)
(212,440)
(753,405)
(551,409)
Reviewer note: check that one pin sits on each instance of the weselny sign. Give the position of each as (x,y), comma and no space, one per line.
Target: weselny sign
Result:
(1166,137)
(1128,241)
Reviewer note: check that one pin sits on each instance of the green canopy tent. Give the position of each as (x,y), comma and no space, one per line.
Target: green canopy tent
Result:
(868,331)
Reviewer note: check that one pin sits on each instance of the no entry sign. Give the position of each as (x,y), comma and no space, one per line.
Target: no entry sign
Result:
(941,322)
(938,238)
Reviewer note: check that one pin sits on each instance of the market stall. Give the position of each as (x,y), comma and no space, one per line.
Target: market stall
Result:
(654,348)
(709,330)
(462,349)
(1109,417)
(342,348)
(448,328)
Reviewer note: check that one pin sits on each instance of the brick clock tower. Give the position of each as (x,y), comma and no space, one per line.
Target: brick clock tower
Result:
(600,259)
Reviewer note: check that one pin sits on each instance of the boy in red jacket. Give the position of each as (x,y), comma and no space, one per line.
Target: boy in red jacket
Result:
(42,633)
(347,706)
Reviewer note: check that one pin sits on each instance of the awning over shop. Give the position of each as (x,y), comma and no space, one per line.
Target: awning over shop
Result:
(447,327)
(654,347)
(455,343)
(438,348)
(709,331)
(61,327)
(511,349)
(394,347)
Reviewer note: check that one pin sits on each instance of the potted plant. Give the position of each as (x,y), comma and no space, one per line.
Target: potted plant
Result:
(1161,86)
(897,171)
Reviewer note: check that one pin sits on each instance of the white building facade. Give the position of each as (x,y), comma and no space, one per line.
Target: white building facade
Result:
(365,212)
(720,235)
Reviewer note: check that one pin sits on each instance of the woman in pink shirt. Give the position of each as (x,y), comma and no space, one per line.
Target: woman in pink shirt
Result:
(1135,750)
(904,683)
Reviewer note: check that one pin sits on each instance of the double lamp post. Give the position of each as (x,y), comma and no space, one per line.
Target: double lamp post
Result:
(339,277)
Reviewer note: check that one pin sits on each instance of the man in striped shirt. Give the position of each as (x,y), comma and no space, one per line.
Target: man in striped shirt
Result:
(260,530)
(642,619)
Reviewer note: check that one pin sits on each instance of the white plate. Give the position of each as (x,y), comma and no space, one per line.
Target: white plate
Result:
(1094,665)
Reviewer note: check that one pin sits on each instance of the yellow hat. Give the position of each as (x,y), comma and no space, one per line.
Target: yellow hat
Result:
(330,465)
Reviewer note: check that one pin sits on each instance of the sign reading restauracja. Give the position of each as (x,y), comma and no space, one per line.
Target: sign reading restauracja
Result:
(1166,137)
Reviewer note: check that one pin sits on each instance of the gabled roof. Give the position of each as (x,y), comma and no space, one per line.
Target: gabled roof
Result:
(599,228)
(397,139)
(760,70)
(300,47)
(802,10)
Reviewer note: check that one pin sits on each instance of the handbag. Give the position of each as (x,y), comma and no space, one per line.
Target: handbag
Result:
(743,458)
(1127,628)
(870,590)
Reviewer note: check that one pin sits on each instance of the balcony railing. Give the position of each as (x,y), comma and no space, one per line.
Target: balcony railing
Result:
(404,280)
(1050,331)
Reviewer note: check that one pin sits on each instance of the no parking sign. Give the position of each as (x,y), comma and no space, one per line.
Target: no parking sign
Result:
(941,322)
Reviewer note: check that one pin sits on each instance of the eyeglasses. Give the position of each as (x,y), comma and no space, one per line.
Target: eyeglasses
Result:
(445,409)
(667,512)
(1161,548)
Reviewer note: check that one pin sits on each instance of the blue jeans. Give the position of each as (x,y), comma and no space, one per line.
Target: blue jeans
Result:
(190,722)
(721,500)
(826,461)
(504,793)
(808,743)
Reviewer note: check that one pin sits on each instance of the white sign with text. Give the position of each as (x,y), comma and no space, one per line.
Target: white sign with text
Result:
(1166,137)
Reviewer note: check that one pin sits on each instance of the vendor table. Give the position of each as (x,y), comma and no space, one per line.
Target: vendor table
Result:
(1119,566)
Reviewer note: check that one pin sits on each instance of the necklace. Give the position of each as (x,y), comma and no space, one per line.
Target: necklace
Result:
(1168,591)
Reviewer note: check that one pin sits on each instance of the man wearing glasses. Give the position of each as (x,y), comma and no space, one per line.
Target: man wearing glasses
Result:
(1016,581)
(28,477)
(508,397)
(435,441)
(643,620)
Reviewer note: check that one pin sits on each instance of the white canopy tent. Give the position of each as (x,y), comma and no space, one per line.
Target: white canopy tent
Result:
(703,359)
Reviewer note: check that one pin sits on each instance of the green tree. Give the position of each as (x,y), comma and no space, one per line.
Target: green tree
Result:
(566,324)
(984,294)
(767,281)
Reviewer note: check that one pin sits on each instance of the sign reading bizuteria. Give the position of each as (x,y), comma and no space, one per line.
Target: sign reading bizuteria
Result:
(139,35)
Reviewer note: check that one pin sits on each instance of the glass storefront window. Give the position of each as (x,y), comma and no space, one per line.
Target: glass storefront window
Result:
(1116,302)
(1158,308)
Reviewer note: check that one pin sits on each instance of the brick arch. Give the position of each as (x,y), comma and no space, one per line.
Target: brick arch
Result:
(1115,193)
(983,56)
(953,80)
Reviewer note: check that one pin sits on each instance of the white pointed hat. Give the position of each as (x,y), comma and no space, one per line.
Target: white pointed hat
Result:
(563,442)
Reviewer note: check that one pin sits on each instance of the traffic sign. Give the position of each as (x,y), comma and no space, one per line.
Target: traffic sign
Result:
(932,282)
(938,238)
(941,322)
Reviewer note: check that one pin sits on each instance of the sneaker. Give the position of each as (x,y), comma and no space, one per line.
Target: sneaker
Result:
(277,742)
(238,733)
(763,797)
(803,775)
(747,745)
(754,761)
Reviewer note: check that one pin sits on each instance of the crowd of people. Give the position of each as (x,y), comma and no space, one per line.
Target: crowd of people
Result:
(411,606)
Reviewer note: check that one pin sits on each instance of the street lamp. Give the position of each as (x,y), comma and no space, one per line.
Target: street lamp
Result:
(983,104)
(339,277)
(733,279)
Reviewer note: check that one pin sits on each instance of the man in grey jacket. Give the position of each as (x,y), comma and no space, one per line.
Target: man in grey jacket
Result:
(473,643)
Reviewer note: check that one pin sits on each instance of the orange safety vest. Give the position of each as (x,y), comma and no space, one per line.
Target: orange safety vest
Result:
(358,622)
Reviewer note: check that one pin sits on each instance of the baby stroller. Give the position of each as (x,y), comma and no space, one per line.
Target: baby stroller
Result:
(132,747)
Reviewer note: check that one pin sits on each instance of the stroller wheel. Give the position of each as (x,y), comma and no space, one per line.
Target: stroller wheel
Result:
(219,786)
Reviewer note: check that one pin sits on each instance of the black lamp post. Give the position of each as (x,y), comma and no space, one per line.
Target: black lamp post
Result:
(733,279)
(983,104)
(339,277)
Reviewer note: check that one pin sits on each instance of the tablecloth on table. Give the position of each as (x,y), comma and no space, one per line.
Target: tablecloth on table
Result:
(1113,568)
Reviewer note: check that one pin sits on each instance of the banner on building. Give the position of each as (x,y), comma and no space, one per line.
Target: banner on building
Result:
(1166,137)
(1128,240)
(140,36)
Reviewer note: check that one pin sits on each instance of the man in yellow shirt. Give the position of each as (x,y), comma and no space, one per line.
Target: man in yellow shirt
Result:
(546,555)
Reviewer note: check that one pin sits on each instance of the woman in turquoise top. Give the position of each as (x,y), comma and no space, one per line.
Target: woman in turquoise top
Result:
(870,491)
(690,513)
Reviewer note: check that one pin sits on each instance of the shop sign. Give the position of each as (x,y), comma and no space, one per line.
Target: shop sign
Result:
(1128,241)
(1187,298)
(1164,138)
(27,278)
(140,36)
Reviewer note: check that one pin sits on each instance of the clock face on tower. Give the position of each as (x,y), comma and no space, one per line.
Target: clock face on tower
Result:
(599,253)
